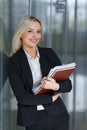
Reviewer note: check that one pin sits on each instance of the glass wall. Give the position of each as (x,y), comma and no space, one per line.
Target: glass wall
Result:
(65,30)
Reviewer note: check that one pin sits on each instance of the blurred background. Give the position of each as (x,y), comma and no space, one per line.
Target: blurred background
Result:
(65,30)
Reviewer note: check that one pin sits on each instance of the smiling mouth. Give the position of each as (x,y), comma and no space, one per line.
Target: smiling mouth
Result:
(34,41)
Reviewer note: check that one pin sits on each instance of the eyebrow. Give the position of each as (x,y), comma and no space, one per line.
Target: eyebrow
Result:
(33,29)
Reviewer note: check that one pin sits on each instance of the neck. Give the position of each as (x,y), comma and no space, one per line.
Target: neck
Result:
(31,51)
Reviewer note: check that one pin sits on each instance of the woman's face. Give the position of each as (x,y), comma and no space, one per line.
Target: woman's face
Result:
(32,35)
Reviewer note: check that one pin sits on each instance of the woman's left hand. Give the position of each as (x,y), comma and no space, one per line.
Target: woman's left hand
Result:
(49,83)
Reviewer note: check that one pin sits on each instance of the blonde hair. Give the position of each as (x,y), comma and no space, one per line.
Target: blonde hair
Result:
(25,21)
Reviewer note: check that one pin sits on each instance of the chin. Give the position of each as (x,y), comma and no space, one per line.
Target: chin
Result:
(33,46)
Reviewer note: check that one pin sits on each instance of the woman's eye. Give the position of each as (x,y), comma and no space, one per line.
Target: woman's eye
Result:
(29,31)
(39,32)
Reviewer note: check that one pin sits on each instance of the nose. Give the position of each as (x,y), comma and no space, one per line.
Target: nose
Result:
(35,34)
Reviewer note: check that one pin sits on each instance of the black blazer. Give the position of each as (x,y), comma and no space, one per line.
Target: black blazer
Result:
(21,81)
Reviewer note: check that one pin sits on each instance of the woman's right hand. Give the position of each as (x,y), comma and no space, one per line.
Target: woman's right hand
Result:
(55,96)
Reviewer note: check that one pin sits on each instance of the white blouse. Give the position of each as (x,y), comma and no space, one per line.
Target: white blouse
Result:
(36,72)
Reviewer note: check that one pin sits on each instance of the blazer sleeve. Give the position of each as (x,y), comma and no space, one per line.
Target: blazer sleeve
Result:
(23,97)
(65,86)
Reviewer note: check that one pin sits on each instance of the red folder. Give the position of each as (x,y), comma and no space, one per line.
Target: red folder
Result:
(59,73)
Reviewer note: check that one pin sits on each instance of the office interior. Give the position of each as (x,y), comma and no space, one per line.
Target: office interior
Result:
(65,31)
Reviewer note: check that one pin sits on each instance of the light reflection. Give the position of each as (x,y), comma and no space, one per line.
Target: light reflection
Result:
(80,92)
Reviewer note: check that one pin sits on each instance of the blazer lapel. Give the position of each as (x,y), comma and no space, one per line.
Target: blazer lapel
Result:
(26,67)
(44,62)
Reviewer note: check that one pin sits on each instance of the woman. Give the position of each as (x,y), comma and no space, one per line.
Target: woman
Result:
(27,68)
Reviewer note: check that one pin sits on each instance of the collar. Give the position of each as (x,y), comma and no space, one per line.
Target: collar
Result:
(28,56)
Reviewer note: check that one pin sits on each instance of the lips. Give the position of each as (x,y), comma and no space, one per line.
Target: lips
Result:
(33,40)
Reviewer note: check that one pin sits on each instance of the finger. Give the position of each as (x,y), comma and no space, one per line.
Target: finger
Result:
(44,78)
(50,79)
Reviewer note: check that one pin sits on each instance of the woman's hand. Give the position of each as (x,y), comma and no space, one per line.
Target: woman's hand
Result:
(55,96)
(49,83)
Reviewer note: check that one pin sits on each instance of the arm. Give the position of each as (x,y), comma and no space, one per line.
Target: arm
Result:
(24,96)
(64,86)
(50,83)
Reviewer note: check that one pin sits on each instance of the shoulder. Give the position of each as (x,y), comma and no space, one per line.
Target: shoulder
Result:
(46,50)
(16,60)
(17,56)
(50,54)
